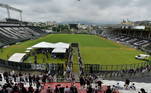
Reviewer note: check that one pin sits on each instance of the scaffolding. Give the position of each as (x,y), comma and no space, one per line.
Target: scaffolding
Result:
(8,8)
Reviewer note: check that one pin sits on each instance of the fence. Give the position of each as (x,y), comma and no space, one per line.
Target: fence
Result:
(59,68)
(52,68)
(95,68)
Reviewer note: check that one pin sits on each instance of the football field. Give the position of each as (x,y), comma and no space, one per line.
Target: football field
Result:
(93,49)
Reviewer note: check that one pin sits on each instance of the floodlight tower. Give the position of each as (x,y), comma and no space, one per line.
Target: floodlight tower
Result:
(8,8)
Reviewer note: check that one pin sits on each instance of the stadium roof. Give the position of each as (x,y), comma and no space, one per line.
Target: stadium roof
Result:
(17,57)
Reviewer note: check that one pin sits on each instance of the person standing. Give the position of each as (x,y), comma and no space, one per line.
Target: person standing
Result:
(127,82)
(82,81)
(22,88)
(49,90)
(108,89)
(142,90)
(30,89)
(30,80)
(67,90)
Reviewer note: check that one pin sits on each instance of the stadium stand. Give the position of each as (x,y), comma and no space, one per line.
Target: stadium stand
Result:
(134,38)
(13,31)
(148,47)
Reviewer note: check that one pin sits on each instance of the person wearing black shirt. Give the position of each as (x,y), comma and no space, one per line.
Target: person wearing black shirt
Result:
(99,83)
(127,82)
(108,90)
(23,89)
(56,89)
(142,90)
(61,89)
(82,81)
(89,89)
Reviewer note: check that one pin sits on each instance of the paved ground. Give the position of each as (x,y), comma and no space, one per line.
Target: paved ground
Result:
(80,90)
(144,78)
(141,77)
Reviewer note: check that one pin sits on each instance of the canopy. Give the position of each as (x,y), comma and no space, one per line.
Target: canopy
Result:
(139,27)
(17,57)
(29,48)
(44,45)
(144,55)
(59,50)
(51,45)
(62,45)
(27,51)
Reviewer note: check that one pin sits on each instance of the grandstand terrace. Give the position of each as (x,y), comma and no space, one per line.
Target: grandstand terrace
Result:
(13,31)
(135,36)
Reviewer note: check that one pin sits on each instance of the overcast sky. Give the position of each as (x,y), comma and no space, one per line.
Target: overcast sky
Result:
(84,11)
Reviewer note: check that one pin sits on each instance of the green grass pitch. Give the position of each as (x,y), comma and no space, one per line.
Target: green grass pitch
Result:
(94,49)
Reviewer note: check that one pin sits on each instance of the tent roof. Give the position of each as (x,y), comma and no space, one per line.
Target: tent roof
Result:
(44,45)
(17,57)
(62,45)
(139,27)
(27,51)
(51,45)
(144,55)
(29,48)
(59,50)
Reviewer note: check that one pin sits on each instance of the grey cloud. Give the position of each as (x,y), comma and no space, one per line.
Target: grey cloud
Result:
(86,11)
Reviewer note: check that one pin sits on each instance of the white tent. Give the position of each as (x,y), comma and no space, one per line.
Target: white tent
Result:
(27,51)
(59,50)
(51,45)
(139,27)
(29,48)
(17,57)
(142,56)
(44,45)
(62,45)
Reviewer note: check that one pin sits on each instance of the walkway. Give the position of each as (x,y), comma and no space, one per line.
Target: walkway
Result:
(64,84)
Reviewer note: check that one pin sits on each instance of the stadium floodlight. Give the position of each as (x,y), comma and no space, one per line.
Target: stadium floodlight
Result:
(11,8)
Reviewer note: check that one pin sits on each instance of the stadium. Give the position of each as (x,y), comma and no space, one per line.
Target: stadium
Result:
(69,59)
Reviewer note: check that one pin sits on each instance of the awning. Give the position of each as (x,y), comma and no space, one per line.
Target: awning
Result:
(17,57)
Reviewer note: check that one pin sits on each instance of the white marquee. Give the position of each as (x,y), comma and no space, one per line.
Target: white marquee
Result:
(17,57)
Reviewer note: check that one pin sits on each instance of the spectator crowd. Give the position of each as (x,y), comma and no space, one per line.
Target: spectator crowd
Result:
(31,83)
